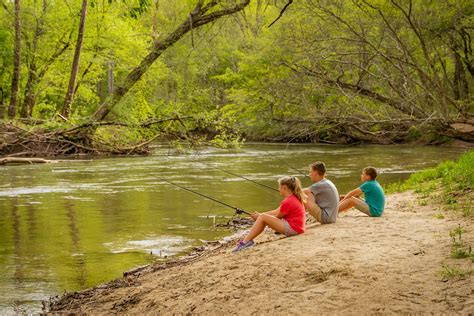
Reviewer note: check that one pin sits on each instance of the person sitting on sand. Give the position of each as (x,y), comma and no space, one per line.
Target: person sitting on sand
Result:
(288,219)
(322,196)
(373,193)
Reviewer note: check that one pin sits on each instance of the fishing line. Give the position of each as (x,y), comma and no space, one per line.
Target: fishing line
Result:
(239,176)
(237,210)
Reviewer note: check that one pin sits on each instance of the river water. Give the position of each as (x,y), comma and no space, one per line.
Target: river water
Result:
(73,225)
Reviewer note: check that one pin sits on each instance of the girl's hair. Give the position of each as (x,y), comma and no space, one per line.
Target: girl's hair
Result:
(294,185)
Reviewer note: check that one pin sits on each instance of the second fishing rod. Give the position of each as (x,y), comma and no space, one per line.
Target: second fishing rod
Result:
(237,210)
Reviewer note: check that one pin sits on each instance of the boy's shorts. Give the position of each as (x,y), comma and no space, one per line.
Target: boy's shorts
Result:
(362,206)
(288,230)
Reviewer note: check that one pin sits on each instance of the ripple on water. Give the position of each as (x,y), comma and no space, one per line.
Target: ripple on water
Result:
(34,190)
(177,226)
(160,246)
(66,170)
(77,198)
(395,170)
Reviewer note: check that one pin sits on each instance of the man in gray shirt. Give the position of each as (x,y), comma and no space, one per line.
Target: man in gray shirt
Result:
(322,198)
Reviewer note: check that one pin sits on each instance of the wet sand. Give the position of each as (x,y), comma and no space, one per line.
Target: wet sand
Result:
(358,265)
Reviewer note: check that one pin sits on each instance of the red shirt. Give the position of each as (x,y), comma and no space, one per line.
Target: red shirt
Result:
(294,212)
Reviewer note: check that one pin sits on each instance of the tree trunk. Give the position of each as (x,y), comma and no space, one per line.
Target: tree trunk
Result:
(110,77)
(29,99)
(461,88)
(196,19)
(16,63)
(155,21)
(2,105)
(75,63)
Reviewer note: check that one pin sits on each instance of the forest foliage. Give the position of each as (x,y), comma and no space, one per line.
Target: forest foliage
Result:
(326,71)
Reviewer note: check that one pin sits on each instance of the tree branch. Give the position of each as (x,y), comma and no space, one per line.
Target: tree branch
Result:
(198,17)
(281,12)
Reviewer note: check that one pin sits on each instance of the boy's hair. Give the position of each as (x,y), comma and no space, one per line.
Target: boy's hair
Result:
(371,172)
(294,185)
(319,167)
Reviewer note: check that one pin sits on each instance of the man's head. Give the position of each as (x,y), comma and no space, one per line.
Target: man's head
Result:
(368,173)
(317,170)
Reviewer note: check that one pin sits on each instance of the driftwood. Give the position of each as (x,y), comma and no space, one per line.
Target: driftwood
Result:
(5,160)
(31,160)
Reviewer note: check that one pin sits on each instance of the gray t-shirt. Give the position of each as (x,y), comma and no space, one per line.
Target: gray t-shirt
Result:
(327,198)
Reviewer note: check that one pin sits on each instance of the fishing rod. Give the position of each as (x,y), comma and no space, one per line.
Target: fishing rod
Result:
(239,176)
(297,170)
(288,165)
(237,210)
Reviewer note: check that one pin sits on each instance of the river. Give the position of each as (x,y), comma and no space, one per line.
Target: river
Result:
(72,225)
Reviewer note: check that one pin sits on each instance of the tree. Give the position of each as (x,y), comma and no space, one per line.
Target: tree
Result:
(16,63)
(201,15)
(75,63)
(29,97)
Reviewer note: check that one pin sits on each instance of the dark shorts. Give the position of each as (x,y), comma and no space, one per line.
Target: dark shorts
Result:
(325,218)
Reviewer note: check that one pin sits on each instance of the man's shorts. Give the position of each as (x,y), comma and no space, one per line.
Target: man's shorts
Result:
(325,218)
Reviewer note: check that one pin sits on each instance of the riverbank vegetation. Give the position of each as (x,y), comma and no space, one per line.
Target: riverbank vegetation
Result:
(108,77)
(450,183)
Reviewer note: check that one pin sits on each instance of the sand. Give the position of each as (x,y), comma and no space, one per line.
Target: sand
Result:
(358,265)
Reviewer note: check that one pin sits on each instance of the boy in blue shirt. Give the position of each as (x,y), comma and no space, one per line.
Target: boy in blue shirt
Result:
(374,202)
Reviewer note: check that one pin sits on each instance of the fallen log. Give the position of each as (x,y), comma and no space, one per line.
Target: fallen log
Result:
(31,160)
(5,160)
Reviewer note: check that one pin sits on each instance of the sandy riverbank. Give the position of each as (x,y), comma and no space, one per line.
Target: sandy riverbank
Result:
(390,264)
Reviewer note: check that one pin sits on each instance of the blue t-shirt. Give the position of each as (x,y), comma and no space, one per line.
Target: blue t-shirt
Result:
(374,197)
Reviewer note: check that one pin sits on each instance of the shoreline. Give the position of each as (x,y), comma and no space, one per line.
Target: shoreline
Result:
(357,265)
(32,157)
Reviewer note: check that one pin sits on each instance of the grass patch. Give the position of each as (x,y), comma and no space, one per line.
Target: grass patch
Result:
(422,202)
(439,216)
(459,249)
(454,179)
(448,272)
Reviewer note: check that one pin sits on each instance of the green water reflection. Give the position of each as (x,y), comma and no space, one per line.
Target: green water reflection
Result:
(70,226)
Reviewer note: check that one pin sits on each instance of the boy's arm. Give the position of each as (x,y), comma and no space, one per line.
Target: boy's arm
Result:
(356,192)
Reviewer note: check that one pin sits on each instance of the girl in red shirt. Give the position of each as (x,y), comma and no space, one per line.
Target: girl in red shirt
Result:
(288,219)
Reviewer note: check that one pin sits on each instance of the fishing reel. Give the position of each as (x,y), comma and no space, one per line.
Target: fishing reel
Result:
(241,211)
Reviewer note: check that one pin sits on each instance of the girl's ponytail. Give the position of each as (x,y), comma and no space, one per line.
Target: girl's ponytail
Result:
(294,185)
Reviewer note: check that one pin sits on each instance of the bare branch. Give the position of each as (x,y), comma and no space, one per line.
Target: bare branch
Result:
(281,12)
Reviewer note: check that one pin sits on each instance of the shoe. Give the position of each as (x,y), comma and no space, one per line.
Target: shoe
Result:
(241,245)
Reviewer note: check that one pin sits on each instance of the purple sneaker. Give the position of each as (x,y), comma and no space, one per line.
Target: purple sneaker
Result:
(241,245)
